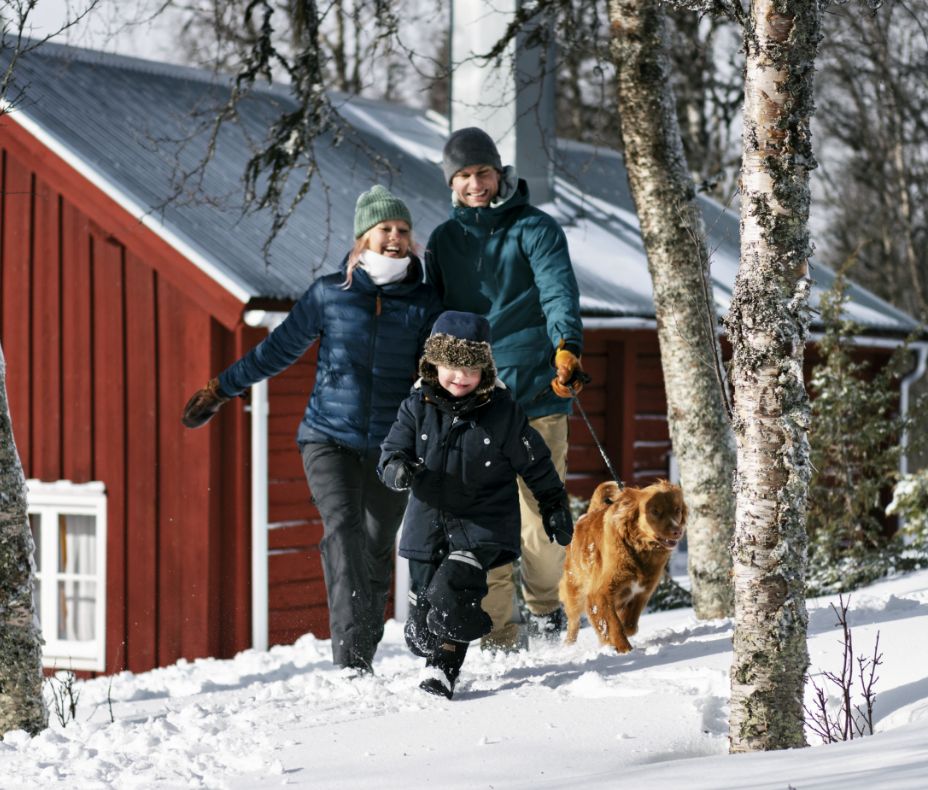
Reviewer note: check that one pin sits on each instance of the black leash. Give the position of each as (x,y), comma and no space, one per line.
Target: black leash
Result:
(583,377)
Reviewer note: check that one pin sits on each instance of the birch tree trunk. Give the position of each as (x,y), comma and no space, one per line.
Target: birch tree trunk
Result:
(768,325)
(674,239)
(21,704)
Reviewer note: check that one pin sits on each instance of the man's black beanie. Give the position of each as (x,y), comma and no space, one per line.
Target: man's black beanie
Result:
(466,148)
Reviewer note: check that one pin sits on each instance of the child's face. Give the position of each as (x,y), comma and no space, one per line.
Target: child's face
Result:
(458,381)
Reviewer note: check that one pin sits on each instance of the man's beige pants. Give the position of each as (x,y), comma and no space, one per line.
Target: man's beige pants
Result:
(542,560)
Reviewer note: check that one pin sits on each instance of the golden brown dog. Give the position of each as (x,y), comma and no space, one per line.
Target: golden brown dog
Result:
(617,557)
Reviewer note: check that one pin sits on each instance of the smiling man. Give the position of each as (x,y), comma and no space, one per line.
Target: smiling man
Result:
(501,257)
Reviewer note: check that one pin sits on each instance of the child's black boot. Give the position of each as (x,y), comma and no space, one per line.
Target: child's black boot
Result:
(443,668)
(419,639)
(454,595)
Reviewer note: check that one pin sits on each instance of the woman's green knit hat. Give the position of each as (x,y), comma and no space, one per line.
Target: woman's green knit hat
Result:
(377,205)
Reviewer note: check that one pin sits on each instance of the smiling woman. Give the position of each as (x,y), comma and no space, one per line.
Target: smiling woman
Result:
(383,237)
(380,296)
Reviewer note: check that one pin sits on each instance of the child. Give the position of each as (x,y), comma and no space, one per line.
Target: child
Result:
(459,441)
(371,320)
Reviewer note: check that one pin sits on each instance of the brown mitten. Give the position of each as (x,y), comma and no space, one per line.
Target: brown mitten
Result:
(203,404)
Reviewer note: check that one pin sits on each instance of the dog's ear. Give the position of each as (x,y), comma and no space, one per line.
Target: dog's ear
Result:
(626,510)
(604,495)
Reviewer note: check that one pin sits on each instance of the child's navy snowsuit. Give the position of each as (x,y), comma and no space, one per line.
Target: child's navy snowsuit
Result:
(463,516)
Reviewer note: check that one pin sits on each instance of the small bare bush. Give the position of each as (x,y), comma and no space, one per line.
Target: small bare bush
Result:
(847,719)
(64,696)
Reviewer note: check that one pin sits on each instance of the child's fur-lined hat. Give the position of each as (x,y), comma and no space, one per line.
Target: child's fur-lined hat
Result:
(459,340)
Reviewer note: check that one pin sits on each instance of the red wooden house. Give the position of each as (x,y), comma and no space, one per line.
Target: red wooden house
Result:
(116,305)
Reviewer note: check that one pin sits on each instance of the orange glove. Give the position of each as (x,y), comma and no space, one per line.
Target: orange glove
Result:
(569,379)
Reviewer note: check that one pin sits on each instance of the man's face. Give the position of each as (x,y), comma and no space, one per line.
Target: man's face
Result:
(476,185)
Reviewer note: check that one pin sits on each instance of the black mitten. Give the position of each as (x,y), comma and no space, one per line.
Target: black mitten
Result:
(397,474)
(555,516)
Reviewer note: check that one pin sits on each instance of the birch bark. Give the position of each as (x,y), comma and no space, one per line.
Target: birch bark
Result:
(768,326)
(21,703)
(674,239)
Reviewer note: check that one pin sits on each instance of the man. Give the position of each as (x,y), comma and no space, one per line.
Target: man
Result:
(501,257)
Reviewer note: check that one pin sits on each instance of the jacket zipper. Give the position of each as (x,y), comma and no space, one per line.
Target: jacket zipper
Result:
(370,358)
(445,445)
(528,449)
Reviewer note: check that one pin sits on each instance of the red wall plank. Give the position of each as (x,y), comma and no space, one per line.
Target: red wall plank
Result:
(294,566)
(173,465)
(287,625)
(304,535)
(110,431)
(297,511)
(199,462)
(286,464)
(298,595)
(46,336)
(77,359)
(234,572)
(141,466)
(15,295)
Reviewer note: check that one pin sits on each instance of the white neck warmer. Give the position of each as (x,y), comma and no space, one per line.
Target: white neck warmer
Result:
(383,270)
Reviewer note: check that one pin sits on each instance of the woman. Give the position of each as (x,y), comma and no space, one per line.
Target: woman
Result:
(371,320)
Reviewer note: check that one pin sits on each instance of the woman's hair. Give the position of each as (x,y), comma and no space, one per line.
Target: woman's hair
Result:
(361,244)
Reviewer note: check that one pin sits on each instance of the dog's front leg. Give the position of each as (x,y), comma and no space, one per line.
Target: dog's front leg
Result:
(602,614)
(573,601)
(630,614)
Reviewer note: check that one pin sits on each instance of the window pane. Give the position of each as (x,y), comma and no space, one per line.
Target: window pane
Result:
(77,544)
(35,524)
(77,607)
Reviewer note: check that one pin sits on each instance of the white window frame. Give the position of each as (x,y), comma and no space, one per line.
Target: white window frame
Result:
(49,501)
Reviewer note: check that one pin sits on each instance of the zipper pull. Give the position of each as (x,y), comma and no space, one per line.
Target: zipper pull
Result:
(377,306)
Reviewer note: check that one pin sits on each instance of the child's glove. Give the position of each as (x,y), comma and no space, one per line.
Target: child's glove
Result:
(570,376)
(203,404)
(398,474)
(559,525)
(556,518)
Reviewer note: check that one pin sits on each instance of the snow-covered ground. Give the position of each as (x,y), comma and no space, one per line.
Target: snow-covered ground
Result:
(551,717)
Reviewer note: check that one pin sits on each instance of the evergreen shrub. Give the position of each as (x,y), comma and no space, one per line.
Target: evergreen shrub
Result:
(854,444)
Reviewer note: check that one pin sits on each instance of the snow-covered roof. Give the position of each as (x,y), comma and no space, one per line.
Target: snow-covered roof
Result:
(129,123)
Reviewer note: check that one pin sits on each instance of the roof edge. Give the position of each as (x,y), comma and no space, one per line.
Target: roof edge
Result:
(144,216)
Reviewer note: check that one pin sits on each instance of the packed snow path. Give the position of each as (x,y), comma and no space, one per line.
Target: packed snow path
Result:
(551,717)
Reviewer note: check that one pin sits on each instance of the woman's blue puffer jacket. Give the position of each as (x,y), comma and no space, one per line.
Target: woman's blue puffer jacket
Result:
(370,339)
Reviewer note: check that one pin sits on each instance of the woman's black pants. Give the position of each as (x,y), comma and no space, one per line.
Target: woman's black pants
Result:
(360,519)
